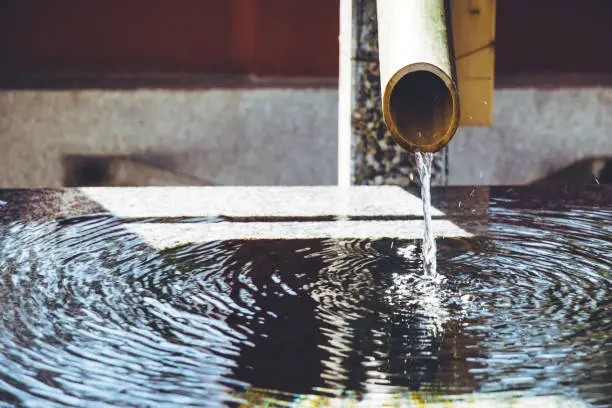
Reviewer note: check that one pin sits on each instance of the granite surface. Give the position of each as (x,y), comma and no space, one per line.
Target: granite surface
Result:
(181,215)
(280,136)
(165,236)
(277,204)
(216,204)
(223,136)
(535,132)
(268,202)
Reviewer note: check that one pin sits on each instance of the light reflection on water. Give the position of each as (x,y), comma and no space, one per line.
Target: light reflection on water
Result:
(89,313)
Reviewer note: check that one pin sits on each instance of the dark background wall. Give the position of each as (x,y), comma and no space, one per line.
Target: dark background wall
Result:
(267,37)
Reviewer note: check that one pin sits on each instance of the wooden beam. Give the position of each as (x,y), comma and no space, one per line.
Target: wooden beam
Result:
(473,24)
(244,34)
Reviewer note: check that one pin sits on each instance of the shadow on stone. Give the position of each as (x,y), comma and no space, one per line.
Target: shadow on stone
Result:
(593,170)
(121,171)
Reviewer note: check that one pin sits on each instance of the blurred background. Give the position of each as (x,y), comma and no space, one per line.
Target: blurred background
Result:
(245,92)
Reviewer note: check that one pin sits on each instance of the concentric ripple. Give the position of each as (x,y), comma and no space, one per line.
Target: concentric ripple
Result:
(92,316)
(542,289)
(80,323)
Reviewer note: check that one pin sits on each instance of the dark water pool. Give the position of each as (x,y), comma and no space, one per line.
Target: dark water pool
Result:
(91,316)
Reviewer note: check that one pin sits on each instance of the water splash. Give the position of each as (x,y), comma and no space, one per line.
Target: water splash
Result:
(424,161)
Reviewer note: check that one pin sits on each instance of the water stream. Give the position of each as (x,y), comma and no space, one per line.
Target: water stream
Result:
(424,162)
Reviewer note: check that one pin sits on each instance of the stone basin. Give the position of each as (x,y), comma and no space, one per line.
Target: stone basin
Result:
(257,212)
(308,240)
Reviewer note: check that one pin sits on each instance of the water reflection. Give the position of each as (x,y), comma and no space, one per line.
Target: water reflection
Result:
(80,327)
(383,321)
(89,313)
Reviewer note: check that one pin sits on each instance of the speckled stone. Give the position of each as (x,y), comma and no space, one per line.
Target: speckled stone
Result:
(378,159)
(242,213)
(271,202)
(165,236)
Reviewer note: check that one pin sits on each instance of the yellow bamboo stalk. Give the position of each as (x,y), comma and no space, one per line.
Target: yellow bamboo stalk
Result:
(420,103)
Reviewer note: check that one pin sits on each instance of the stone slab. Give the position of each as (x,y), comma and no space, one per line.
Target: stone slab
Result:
(273,202)
(242,213)
(460,204)
(535,133)
(165,236)
(258,136)
(284,136)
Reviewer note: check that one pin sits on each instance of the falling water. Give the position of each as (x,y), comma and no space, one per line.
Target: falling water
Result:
(424,161)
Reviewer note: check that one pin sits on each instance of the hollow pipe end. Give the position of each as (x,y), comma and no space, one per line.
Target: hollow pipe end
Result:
(421,107)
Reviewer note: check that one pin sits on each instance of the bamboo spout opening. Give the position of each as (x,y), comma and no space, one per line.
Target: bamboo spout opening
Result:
(420,102)
(421,108)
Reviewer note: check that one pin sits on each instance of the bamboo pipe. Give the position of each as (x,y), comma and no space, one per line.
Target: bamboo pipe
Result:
(420,103)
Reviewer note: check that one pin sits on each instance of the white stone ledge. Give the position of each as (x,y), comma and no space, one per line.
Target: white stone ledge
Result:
(378,201)
(164,236)
(272,203)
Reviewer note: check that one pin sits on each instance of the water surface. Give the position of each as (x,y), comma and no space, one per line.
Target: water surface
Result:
(91,316)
